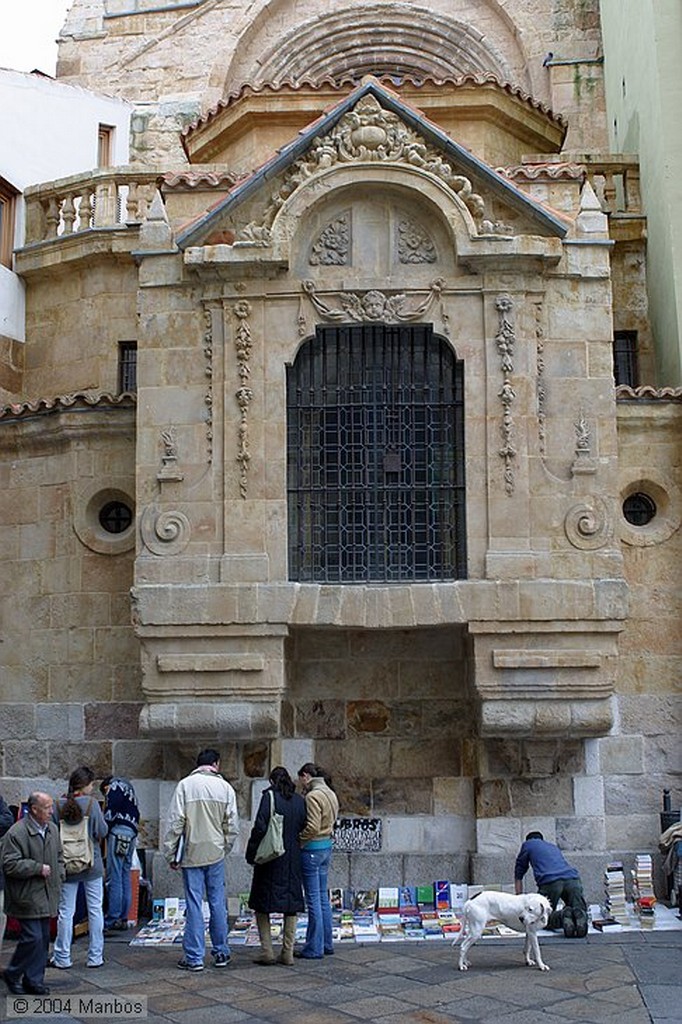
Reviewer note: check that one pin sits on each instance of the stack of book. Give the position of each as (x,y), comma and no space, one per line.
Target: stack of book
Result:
(643,891)
(614,889)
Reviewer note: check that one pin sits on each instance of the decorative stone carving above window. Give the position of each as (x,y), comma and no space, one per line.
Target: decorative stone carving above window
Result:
(331,247)
(414,243)
(370,134)
(373,305)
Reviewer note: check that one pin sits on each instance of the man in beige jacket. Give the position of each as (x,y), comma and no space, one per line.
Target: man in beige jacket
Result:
(202,826)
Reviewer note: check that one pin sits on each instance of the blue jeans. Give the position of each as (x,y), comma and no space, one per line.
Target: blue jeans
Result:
(118,875)
(67,907)
(212,876)
(315,870)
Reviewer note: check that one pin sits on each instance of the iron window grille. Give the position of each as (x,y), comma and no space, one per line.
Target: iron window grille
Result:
(127,366)
(375,457)
(625,368)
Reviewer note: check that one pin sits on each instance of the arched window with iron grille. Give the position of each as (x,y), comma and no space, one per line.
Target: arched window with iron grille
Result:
(375,457)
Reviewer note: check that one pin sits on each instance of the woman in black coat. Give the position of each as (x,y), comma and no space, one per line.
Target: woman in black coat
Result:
(277,886)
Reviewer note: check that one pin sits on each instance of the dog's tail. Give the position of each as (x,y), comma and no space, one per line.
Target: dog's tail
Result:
(460,934)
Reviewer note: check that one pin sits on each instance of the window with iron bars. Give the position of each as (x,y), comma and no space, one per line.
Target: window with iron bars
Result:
(375,450)
(127,366)
(625,367)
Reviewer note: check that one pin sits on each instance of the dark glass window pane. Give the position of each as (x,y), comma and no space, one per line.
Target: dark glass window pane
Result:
(625,369)
(639,509)
(115,517)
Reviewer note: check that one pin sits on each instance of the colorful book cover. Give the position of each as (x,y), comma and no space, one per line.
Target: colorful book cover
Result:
(442,895)
(365,899)
(387,899)
(425,898)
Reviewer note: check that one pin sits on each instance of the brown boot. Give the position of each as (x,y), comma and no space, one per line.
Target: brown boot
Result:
(287,955)
(267,957)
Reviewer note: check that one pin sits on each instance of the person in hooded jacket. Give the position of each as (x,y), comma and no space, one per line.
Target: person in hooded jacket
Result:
(277,886)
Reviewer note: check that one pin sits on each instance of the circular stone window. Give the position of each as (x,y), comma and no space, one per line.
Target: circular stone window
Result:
(104,517)
(639,509)
(650,514)
(115,517)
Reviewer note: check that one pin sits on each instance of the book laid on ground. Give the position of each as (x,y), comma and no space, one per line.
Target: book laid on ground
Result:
(388,899)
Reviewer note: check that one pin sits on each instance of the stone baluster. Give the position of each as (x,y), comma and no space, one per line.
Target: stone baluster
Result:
(52,218)
(133,207)
(105,205)
(610,196)
(86,210)
(633,197)
(68,214)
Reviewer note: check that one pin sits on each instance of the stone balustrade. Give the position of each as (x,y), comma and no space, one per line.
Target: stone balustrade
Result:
(97,200)
(616,184)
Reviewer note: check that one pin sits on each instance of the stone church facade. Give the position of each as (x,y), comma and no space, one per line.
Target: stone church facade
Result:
(314,450)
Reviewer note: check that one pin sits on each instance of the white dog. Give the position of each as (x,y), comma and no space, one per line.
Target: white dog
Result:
(526,913)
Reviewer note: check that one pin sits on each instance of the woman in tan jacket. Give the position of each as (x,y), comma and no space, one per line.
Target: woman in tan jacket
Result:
(322,808)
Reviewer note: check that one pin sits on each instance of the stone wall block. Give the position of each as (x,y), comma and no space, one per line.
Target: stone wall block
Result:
(493,799)
(354,794)
(25,757)
(649,715)
(622,755)
(64,757)
(448,832)
(115,721)
(581,833)
(663,754)
(403,835)
(356,757)
(634,832)
(401,796)
(415,759)
(498,836)
(588,795)
(366,870)
(141,758)
(542,796)
(63,722)
(639,794)
(325,719)
(255,760)
(500,757)
(447,718)
(453,796)
(18,720)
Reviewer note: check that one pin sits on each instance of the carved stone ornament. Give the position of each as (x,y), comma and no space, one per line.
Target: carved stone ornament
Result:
(165,533)
(414,243)
(244,395)
(169,469)
(373,305)
(505,340)
(587,525)
(331,248)
(208,398)
(541,385)
(369,133)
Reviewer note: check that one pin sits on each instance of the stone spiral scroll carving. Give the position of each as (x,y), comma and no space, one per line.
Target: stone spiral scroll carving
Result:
(165,533)
(505,339)
(587,525)
(243,343)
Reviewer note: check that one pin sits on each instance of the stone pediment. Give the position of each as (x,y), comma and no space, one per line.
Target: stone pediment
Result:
(371,133)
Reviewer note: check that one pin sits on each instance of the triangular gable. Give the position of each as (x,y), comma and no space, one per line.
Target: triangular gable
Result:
(462,159)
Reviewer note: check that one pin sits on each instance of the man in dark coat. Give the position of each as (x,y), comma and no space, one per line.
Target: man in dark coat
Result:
(33,865)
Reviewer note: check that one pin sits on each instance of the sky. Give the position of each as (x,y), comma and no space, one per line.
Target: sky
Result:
(28,32)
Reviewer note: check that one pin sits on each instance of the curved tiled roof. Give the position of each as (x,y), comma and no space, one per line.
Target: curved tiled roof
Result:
(62,403)
(551,169)
(648,393)
(351,81)
(197,179)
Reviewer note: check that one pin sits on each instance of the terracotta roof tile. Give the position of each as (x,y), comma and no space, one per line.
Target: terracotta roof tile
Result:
(62,403)
(351,81)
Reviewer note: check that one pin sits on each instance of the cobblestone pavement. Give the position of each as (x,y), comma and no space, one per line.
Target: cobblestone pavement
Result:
(630,978)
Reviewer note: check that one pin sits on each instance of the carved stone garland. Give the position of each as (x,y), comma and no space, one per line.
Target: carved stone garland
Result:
(369,133)
(208,399)
(243,344)
(541,387)
(373,305)
(505,340)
